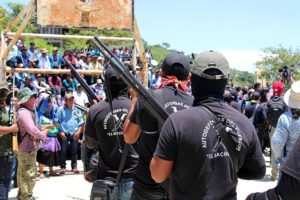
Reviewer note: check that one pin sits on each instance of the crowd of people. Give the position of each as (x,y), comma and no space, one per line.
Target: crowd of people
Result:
(215,134)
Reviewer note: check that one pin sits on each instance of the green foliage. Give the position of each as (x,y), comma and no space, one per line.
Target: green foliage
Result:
(40,43)
(4,18)
(275,58)
(166,45)
(158,52)
(82,44)
(241,78)
(15,9)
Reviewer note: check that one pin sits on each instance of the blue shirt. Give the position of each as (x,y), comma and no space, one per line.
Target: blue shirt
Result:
(33,55)
(69,119)
(286,133)
(55,61)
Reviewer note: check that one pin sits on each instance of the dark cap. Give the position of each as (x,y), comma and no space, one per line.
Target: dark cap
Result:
(210,60)
(32,43)
(176,58)
(255,96)
(110,73)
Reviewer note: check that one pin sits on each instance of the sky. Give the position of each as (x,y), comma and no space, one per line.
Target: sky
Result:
(238,29)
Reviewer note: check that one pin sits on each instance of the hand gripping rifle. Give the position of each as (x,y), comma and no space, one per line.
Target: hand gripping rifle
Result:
(91,95)
(148,101)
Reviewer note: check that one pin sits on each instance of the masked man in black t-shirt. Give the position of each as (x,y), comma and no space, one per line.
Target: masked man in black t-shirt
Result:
(104,130)
(200,162)
(140,124)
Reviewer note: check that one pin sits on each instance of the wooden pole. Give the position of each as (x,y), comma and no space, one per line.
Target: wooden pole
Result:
(18,17)
(140,48)
(83,37)
(2,62)
(18,33)
(29,9)
(51,71)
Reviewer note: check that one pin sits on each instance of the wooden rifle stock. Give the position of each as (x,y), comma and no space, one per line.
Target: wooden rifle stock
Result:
(149,102)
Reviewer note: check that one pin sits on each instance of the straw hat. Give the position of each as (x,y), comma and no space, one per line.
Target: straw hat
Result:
(44,50)
(292,96)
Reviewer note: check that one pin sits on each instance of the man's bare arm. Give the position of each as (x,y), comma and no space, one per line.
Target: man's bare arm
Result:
(131,131)
(160,169)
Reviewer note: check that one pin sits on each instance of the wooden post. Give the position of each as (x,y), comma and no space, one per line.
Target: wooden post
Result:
(4,52)
(2,62)
(81,37)
(18,33)
(140,48)
(18,17)
(51,71)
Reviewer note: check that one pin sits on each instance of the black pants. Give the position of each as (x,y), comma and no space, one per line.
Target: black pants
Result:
(288,188)
(139,193)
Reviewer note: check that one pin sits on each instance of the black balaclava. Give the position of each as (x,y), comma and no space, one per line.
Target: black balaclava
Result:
(203,88)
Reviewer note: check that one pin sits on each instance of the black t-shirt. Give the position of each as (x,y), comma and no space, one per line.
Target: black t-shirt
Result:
(101,127)
(260,115)
(202,171)
(173,101)
(292,163)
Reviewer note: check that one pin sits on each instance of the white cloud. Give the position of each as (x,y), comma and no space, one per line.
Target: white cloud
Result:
(241,59)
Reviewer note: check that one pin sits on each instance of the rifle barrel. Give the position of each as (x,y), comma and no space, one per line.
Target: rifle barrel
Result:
(150,103)
(91,95)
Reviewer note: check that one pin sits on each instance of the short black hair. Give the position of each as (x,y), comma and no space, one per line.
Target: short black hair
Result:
(256,85)
(176,70)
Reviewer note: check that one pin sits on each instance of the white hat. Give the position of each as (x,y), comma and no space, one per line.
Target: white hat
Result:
(292,96)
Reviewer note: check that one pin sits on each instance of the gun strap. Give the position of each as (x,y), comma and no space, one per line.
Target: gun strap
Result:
(122,163)
(225,138)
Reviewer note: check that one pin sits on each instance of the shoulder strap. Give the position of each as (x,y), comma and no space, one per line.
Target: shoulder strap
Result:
(122,163)
(225,138)
(255,109)
(25,134)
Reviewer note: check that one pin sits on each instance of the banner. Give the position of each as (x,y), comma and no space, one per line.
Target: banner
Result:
(102,14)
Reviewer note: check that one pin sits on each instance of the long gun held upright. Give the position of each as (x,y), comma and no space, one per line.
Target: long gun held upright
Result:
(91,95)
(149,102)
(12,117)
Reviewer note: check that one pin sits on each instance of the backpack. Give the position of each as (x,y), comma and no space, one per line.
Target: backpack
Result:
(275,108)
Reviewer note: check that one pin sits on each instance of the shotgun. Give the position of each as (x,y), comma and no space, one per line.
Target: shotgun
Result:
(12,117)
(91,95)
(147,99)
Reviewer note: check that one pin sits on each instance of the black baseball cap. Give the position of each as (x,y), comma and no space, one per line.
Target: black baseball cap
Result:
(110,73)
(176,58)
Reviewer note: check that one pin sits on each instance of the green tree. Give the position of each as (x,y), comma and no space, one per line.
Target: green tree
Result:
(158,52)
(275,58)
(4,18)
(166,45)
(241,78)
(16,8)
